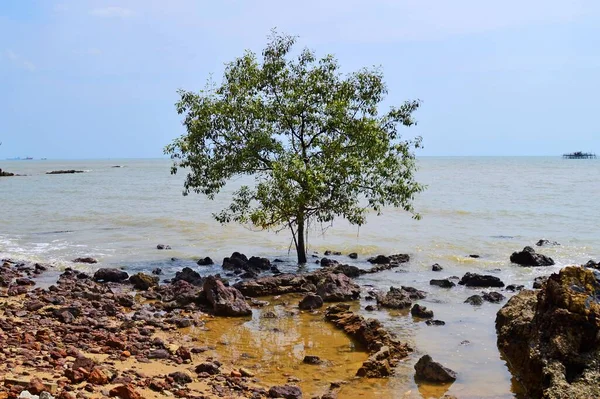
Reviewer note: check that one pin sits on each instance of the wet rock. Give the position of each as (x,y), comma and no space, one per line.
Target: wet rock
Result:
(226,301)
(24,281)
(285,391)
(539,282)
(110,275)
(421,312)
(514,287)
(493,297)
(445,283)
(528,257)
(205,262)
(370,308)
(543,243)
(435,323)
(310,302)
(436,268)
(190,276)
(276,285)
(347,270)
(399,298)
(143,282)
(163,246)
(385,350)
(257,263)
(592,265)
(475,300)
(337,288)
(125,392)
(429,371)
(329,252)
(85,260)
(382,259)
(5,174)
(474,256)
(64,172)
(326,262)
(550,337)
(478,280)
(157,272)
(353,255)
(308,359)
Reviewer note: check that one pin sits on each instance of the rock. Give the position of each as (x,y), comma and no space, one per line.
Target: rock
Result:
(445,283)
(399,298)
(475,300)
(276,285)
(181,378)
(429,371)
(435,323)
(386,351)
(36,386)
(5,174)
(436,268)
(205,262)
(143,281)
(474,256)
(550,337)
(235,261)
(125,392)
(98,377)
(347,270)
(85,260)
(353,255)
(478,280)
(159,354)
(157,272)
(226,301)
(337,288)
(310,302)
(257,263)
(592,265)
(493,297)
(208,367)
(190,276)
(308,359)
(326,262)
(382,259)
(514,287)
(63,172)
(110,275)
(528,257)
(539,281)
(542,243)
(285,391)
(421,311)
(163,246)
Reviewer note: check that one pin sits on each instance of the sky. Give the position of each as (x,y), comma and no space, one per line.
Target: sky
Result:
(99,79)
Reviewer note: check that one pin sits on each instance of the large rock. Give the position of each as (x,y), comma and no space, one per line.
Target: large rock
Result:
(285,391)
(429,371)
(383,259)
(5,174)
(385,350)
(276,285)
(551,338)
(528,257)
(85,260)
(543,242)
(478,280)
(110,275)
(226,301)
(311,301)
(399,298)
(337,288)
(143,282)
(189,275)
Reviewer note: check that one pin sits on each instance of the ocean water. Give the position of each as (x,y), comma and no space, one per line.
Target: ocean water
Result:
(486,206)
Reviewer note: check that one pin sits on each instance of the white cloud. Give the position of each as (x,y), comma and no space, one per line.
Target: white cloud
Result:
(19,61)
(111,12)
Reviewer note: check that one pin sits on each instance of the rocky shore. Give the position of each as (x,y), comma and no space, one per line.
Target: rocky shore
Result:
(111,334)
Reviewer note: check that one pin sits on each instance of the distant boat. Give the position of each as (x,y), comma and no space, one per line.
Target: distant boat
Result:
(28,158)
(579,155)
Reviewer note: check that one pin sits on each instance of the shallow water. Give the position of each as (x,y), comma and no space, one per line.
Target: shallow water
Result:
(485,206)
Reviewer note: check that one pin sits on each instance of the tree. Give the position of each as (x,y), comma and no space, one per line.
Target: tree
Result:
(312,138)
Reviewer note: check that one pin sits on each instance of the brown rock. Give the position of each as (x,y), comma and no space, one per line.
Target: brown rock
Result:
(125,392)
(226,301)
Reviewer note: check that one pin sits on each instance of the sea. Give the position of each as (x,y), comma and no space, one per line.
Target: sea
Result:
(119,210)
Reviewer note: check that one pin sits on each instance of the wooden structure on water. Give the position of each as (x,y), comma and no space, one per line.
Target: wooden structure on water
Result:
(579,155)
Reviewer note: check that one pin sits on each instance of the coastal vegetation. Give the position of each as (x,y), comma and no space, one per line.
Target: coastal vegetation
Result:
(313,139)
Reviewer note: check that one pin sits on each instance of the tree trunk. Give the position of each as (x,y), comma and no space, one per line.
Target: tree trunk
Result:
(300,246)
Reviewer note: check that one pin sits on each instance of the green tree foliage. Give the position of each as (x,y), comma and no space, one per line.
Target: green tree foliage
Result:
(312,138)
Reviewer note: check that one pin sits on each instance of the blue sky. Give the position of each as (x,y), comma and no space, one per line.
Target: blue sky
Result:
(98,79)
